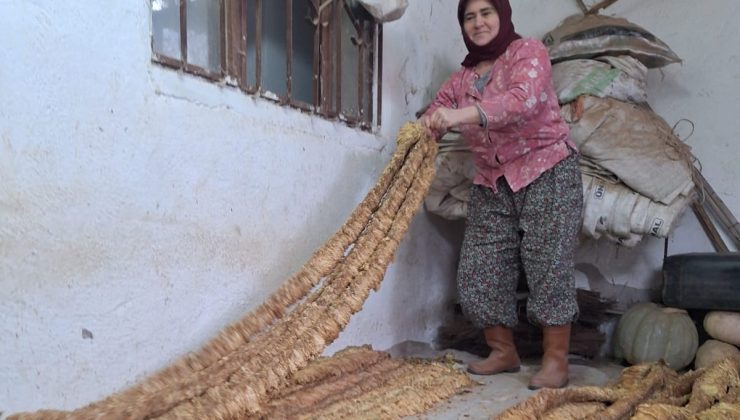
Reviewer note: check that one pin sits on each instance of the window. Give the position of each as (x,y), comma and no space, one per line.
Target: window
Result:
(322,56)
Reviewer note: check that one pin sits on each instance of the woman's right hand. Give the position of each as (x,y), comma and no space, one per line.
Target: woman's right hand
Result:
(441,119)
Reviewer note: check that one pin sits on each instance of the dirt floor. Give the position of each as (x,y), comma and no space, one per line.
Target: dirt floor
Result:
(496,393)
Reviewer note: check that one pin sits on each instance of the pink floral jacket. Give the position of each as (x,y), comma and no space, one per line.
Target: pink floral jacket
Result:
(524,134)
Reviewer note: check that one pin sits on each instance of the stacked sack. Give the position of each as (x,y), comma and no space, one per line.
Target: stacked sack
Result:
(449,192)
(637,175)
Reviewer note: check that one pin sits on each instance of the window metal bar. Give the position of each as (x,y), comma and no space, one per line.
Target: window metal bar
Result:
(244,21)
(327,60)
(325,66)
(183,31)
(289,48)
(258,44)
(222,40)
(379,95)
(236,61)
(360,72)
(316,57)
(338,58)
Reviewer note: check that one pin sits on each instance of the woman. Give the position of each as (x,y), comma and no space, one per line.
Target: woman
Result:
(525,207)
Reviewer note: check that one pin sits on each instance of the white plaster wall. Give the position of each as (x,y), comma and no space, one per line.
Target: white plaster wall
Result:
(151,208)
(142,210)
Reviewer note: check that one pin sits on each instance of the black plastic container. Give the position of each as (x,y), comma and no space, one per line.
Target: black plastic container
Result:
(702,281)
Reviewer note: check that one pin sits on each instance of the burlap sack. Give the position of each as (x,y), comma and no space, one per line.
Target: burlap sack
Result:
(449,193)
(632,142)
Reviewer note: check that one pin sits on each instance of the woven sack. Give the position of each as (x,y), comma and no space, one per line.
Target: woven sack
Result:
(589,36)
(623,78)
(632,142)
(449,193)
(624,216)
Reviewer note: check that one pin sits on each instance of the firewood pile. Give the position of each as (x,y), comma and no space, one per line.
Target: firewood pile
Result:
(235,375)
(643,392)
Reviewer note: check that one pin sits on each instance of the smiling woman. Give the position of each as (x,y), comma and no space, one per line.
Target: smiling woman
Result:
(525,207)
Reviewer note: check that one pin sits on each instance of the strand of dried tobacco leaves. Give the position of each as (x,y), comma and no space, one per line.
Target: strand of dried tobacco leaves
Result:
(230,377)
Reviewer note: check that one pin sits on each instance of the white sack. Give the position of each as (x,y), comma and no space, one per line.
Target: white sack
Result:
(624,216)
(385,10)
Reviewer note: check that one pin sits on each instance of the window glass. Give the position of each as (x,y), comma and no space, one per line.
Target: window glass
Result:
(204,34)
(350,61)
(303,51)
(274,46)
(166,28)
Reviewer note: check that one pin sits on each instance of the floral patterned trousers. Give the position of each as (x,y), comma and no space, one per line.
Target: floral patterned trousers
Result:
(531,232)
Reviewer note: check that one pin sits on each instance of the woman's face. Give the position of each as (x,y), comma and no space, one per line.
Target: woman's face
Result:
(480,22)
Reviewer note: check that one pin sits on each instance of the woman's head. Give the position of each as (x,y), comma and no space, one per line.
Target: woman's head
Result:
(487,29)
(480,22)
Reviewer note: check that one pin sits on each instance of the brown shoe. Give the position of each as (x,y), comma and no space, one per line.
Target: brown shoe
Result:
(554,370)
(503,357)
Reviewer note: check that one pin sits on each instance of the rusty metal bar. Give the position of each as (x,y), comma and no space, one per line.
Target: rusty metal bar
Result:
(379,96)
(258,44)
(289,48)
(361,70)
(167,61)
(232,33)
(368,83)
(201,72)
(183,31)
(303,106)
(325,66)
(338,58)
(327,58)
(245,21)
(222,35)
(237,42)
(316,57)
(189,68)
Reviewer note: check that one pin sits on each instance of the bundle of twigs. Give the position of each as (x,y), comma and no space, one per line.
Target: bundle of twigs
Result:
(649,391)
(234,374)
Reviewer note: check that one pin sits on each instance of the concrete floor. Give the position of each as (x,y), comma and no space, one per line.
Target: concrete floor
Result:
(496,393)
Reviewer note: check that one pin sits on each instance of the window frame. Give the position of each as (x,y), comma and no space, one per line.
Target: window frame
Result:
(327,68)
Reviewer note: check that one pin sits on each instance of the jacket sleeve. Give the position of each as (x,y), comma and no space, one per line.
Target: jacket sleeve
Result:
(525,91)
(445,98)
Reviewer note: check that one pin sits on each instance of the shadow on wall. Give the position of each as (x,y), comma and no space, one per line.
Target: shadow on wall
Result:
(624,295)
(352,182)
(425,272)
(441,69)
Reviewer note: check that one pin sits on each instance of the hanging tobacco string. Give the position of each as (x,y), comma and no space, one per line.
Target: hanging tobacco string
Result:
(235,373)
